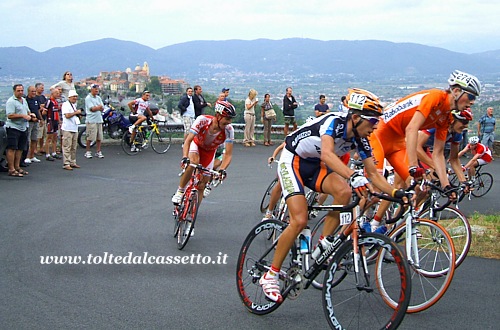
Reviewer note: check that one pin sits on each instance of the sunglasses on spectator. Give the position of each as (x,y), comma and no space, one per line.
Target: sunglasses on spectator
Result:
(372,120)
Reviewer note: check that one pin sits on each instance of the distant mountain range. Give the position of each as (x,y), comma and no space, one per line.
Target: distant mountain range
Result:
(296,57)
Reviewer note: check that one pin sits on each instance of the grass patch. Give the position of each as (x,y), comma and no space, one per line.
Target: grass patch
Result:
(485,234)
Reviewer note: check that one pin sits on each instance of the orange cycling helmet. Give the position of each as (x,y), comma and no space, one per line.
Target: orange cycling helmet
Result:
(364,101)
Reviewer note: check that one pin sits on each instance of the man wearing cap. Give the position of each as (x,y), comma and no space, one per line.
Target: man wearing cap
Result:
(226,93)
(93,121)
(70,130)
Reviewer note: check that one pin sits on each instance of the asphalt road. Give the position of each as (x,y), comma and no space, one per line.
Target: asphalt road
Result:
(120,205)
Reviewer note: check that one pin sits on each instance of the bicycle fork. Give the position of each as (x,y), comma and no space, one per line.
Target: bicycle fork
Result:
(359,256)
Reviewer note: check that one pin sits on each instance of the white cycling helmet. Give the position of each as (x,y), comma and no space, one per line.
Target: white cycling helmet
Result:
(465,81)
(473,140)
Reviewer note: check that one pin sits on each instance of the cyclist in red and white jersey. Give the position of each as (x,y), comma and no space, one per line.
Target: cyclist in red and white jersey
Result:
(206,134)
(481,155)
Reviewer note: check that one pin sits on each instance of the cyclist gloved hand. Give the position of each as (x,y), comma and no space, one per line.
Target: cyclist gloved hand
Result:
(416,172)
(358,182)
(398,193)
(185,162)
(222,174)
(450,192)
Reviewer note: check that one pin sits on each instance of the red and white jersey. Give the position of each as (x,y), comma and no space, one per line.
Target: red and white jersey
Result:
(141,105)
(204,139)
(483,151)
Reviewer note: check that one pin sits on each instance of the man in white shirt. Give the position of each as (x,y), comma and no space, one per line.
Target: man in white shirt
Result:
(70,131)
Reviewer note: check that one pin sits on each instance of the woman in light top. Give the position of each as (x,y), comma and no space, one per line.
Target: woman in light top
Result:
(249,115)
(66,84)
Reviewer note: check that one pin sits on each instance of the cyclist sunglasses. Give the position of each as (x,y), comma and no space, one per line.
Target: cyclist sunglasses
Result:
(372,120)
(470,96)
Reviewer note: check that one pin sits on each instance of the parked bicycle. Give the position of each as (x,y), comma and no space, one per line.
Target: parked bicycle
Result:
(186,212)
(354,300)
(158,137)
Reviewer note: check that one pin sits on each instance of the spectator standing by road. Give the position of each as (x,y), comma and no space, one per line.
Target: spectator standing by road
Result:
(289,106)
(34,108)
(66,85)
(249,115)
(52,106)
(486,128)
(70,131)
(186,105)
(93,120)
(42,123)
(268,115)
(226,94)
(17,112)
(321,108)
(199,101)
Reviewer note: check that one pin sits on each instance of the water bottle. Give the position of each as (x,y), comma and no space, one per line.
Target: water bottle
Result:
(323,245)
(305,240)
(148,133)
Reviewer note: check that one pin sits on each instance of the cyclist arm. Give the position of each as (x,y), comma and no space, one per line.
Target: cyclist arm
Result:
(473,160)
(228,156)
(131,106)
(331,160)
(411,133)
(440,162)
(187,143)
(277,151)
(375,177)
(423,137)
(463,151)
(455,162)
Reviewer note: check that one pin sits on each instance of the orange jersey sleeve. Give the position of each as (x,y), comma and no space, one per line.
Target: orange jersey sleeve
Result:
(432,103)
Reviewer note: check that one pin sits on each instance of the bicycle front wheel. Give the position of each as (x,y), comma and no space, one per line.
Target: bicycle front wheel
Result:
(187,219)
(358,300)
(432,262)
(483,184)
(264,204)
(457,225)
(255,258)
(161,140)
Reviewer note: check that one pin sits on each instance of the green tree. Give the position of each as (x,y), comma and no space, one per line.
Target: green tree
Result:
(154,86)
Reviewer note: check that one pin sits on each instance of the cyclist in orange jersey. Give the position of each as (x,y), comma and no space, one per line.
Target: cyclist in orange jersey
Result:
(397,135)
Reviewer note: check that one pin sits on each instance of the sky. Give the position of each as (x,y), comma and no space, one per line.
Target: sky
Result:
(466,26)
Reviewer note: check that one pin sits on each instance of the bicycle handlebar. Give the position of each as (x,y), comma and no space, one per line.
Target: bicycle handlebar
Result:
(200,168)
(340,208)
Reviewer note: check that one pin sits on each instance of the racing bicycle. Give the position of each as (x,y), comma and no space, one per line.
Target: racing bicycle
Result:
(353,286)
(186,211)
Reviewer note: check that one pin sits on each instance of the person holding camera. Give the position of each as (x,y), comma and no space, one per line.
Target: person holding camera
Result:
(93,122)
(69,127)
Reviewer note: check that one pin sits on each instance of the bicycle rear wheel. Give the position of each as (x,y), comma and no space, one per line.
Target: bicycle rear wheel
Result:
(188,218)
(359,301)
(484,182)
(457,225)
(431,277)
(254,259)
(161,142)
(264,204)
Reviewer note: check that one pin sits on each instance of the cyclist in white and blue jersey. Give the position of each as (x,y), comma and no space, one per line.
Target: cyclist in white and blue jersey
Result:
(311,158)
